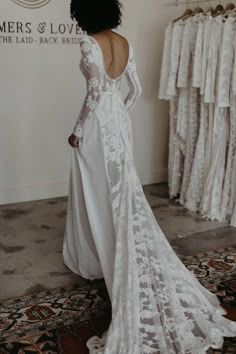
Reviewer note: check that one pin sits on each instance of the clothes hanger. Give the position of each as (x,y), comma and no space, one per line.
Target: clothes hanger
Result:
(229,9)
(218,10)
(231,14)
(210,11)
(197,10)
(186,14)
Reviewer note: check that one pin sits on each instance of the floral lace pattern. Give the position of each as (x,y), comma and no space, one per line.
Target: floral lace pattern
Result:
(98,82)
(158,306)
(90,66)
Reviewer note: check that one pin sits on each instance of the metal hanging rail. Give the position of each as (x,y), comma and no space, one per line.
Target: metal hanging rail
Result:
(177,3)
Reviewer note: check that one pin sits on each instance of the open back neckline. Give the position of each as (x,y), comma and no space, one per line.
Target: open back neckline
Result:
(103,61)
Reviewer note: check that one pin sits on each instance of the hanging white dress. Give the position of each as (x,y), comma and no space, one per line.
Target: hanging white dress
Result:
(188,121)
(158,306)
(228,99)
(205,61)
(229,196)
(217,91)
(218,127)
(166,63)
(195,187)
(230,183)
(168,91)
(164,77)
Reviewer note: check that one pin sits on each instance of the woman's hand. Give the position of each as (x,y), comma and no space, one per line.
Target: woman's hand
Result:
(73,141)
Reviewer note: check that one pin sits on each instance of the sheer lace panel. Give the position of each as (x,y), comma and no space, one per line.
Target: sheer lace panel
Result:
(91,68)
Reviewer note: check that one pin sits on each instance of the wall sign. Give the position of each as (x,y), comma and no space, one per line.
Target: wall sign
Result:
(31,4)
(39,32)
(18,32)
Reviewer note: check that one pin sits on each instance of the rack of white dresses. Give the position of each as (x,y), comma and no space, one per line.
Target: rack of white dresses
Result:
(198,78)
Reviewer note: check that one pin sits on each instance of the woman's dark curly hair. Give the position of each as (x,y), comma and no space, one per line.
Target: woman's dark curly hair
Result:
(94,16)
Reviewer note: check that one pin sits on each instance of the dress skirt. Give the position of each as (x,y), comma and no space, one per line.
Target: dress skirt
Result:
(89,242)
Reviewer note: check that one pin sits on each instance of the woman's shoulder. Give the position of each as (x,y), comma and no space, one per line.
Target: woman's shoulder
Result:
(120,37)
(85,39)
(86,43)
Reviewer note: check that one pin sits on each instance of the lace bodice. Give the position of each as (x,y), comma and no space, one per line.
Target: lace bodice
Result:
(99,82)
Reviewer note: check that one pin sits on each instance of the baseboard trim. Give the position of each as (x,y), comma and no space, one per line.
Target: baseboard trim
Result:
(158,176)
(19,194)
(54,189)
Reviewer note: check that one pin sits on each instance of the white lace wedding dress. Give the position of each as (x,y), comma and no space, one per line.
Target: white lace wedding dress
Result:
(158,306)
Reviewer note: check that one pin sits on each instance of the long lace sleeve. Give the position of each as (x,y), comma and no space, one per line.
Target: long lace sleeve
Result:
(165,66)
(91,70)
(135,88)
(185,55)
(175,52)
(226,62)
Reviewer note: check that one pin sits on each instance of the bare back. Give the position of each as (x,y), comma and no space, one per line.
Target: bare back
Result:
(115,50)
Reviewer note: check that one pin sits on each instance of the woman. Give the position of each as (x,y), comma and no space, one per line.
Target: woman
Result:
(158,306)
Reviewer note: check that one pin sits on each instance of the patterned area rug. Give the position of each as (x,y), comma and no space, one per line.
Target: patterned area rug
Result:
(55,321)
(216,270)
(60,321)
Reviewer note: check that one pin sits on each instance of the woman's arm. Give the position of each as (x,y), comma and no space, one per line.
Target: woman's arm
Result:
(91,71)
(135,88)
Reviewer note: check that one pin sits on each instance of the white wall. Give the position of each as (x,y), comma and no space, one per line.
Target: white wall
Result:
(41,92)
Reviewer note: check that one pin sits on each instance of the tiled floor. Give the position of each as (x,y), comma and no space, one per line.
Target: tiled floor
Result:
(32,236)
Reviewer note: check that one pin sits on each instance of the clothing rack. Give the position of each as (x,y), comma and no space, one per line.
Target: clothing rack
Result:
(178,3)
